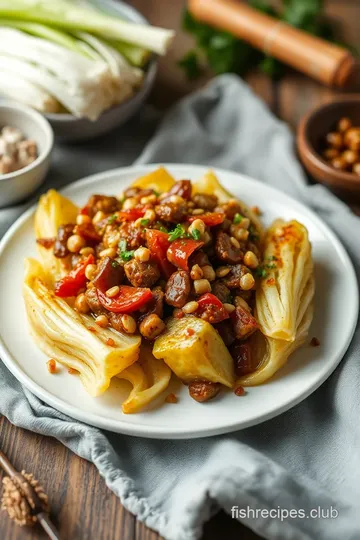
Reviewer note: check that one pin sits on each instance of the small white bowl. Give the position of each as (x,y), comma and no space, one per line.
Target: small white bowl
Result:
(18,185)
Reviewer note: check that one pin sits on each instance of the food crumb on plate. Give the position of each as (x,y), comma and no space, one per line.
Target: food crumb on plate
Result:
(171,398)
(314,342)
(239,391)
(51,366)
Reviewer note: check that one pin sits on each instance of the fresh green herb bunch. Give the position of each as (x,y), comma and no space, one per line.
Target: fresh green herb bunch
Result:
(224,53)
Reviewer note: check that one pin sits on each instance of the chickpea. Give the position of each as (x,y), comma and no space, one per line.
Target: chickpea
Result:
(202,286)
(129,203)
(196,272)
(350,157)
(208,272)
(355,144)
(113,239)
(150,199)
(81,304)
(352,134)
(247,282)
(251,260)
(102,320)
(82,219)
(334,139)
(113,291)
(109,252)
(190,307)
(330,153)
(151,326)
(344,124)
(90,271)
(222,271)
(86,251)
(142,254)
(339,163)
(235,242)
(229,307)
(129,324)
(75,243)
(99,216)
(198,225)
(198,212)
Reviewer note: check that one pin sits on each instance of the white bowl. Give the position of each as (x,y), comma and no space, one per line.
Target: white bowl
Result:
(69,128)
(18,185)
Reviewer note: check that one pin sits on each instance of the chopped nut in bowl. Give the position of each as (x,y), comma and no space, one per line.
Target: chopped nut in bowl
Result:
(26,141)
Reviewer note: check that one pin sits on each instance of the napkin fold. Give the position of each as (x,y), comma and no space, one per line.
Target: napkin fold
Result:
(307,458)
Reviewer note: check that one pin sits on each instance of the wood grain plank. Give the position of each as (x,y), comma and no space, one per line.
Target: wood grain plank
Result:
(83,507)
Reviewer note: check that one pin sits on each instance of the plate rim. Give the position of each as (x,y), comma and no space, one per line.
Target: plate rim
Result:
(144,430)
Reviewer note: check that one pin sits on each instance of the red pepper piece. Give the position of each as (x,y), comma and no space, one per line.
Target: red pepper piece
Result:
(180,250)
(128,300)
(71,284)
(211,309)
(210,219)
(158,243)
(130,215)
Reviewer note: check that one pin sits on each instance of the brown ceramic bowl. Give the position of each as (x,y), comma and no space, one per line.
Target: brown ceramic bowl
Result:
(310,143)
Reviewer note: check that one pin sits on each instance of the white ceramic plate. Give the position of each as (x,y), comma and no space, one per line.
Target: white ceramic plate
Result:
(336,294)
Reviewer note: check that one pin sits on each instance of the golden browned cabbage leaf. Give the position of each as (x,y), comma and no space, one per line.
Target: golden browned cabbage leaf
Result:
(149,378)
(272,354)
(288,288)
(64,334)
(193,349)
(52,211)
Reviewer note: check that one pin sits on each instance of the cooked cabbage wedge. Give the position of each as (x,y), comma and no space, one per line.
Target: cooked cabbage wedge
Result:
(62,333)
(160,180)
(149,378)
(210,184)
(193,349)
(288,286)
(52,211)
(272,354)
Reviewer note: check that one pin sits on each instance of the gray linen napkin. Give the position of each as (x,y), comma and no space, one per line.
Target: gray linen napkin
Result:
(305,458)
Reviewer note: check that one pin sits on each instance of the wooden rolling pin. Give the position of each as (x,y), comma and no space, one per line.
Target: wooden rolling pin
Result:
(328,63)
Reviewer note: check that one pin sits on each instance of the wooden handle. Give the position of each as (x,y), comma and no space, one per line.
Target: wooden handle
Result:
(326,62)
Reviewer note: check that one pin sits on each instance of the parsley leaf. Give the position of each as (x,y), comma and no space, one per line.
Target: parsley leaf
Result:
(124,253)
(196,234)
(156,193)
(260,272)
(190,64)
(145,222)
(238,218)
(112,219)
(178,232)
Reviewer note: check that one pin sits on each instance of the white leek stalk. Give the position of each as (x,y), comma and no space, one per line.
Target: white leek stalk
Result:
(19,89)
(66,15)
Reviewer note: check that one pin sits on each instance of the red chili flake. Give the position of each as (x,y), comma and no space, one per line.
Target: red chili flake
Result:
(256,210)
(171,398)
(190,332)
(92,329)
(239,391)
(73,371)
(110,342)
(51,365)
(178,313)
(314,342)
(270,281)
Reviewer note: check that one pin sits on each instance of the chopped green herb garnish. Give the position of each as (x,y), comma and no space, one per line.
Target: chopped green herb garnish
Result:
(260,272)
(272,258)
(124,253)
(196,234)
(178,232)
(270,266)
(112,219)
(253,234)
(238,218)
(114,264)
(162,229)
(156,193)
(145,222)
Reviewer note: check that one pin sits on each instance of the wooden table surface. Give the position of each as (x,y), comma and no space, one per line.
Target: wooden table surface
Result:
(84,508)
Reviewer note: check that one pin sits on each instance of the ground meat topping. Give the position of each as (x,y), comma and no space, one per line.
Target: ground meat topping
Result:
(171,212)
(141,274)
(225,250)
(203,390)
(205,201)
(178,289)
